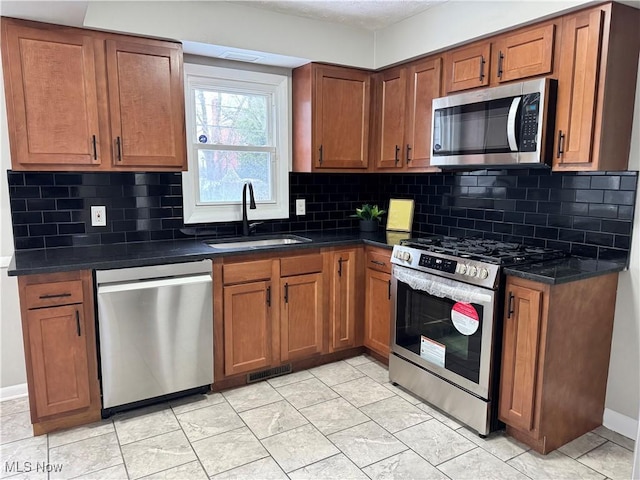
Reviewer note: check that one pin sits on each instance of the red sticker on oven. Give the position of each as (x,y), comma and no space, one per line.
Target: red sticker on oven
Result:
(465,318)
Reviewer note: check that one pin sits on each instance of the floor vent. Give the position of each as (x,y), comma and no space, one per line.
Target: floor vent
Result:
(269,373)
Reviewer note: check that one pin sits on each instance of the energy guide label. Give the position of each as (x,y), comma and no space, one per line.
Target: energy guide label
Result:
(432,351)
(465,318)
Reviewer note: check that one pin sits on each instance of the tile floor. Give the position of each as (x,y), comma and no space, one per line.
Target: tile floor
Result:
(343,420)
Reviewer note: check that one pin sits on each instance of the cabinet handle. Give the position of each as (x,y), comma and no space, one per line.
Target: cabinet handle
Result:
(397,159)
(119,149)
(320,154)
(376,262)
(286,293)
(482,62)
(269,296)
(340,260)
(510,305)
(560,144)
(500,60)
(78,323)
(408,150)
(389,294)
(55,295)
(95,149)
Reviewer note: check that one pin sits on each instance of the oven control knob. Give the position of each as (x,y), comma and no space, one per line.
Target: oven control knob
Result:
(472,270)
(406,256)
(483,273)
(461,269)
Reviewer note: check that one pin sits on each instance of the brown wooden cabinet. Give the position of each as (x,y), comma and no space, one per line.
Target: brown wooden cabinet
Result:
(526,53)
(85,100)
(330,118)
(467,67)
(596,87)
(60,349)
(377,309)
(302,319)
(555,358)
(390,115)
(345,298)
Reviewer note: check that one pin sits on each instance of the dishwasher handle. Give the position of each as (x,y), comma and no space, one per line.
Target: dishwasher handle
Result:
(155,283)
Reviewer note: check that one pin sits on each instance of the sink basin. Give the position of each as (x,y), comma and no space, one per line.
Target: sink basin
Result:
(255,242)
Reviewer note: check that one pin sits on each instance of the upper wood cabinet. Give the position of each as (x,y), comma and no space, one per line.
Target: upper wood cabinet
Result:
(390,117)
(524,54)
(596,88)
(330,118)
(84,100)
(467,67)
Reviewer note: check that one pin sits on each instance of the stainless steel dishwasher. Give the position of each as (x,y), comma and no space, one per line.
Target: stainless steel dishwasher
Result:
(156,331)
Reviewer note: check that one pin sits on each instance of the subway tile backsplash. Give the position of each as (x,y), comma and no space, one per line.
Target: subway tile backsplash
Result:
(589,214)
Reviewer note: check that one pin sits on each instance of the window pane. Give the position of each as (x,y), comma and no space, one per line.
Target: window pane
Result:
(223,173)
(224,118)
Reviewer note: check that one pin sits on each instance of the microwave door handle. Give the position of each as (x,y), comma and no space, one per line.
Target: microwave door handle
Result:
(511,124)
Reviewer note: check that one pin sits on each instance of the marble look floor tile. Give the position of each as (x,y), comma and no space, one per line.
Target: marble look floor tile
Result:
(359,360)
(252,396)
(338,466)
(375,370)
(450,422)
(15,405)
(190,471)
(144,423)
(554,465)
(395,414)
(264,469)
(402,393)
(582,445)
(193,402)
(290,378)
(434,441)
(479,464)
(205,422)
(156,454)
(367,443)
(117,472)
(229,450)
(272,419)
(85,456)
(80,433)
(363,391)
(610,459)
(307,392)
(407,465)
(334,373)
(615,437)
(14,455)
(334,415)
(299,447)
(497,443)
(16,426)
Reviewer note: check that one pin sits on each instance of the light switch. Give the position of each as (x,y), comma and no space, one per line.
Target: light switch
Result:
(98,216)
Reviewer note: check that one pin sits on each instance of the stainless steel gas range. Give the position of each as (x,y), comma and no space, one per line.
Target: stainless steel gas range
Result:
(446,321)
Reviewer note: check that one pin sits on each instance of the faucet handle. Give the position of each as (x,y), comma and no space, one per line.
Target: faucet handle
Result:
(252,226)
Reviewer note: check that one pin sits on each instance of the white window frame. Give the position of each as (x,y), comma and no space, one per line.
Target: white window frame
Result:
(274,85)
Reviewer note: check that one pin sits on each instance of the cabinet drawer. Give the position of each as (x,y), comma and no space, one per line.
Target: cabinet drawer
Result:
(54,294)
(379,260)
(246,271)
(300,265)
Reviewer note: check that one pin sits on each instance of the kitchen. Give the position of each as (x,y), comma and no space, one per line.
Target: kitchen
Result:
(340,54)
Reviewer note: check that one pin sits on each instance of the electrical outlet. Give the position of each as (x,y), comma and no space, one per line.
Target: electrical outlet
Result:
(301,208)
(98,216)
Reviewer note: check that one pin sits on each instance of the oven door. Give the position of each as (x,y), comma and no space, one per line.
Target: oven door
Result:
(445,326)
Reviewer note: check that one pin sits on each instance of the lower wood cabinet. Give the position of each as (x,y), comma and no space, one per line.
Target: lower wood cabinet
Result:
(377,309)
(555,358)
(60,349)
(345,298)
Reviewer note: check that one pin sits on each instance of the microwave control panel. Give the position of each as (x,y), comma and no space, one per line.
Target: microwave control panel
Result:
(529,122)
(435,263)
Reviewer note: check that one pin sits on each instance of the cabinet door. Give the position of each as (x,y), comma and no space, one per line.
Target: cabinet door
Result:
(147,105)
(392,93)
(50,81)
(59,362)
(525,54)
(424,85)
(578,90)
(302,316)
(343,299)
(247,327)
(520,356)
(468,67)
(377,321)
(341,116)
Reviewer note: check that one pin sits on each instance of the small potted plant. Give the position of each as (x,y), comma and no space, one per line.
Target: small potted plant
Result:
(369,216)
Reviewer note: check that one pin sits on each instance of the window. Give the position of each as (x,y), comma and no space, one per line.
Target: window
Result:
(237,131)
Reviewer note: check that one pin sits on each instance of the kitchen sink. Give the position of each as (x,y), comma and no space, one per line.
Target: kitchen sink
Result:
(238,243)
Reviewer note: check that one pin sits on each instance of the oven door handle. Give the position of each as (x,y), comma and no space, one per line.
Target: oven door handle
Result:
(511,124)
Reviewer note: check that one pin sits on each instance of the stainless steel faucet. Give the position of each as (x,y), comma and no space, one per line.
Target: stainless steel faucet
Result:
(252,206)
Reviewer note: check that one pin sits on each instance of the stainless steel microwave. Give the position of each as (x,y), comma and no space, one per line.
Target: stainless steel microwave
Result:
(502,126)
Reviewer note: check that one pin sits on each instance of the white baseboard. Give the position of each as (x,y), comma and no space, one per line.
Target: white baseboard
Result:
(14,391)
(622,424)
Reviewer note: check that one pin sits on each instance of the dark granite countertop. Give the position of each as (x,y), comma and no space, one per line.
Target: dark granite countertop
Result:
(564,270)
(122,255)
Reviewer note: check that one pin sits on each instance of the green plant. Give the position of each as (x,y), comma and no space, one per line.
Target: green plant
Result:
(368,212)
